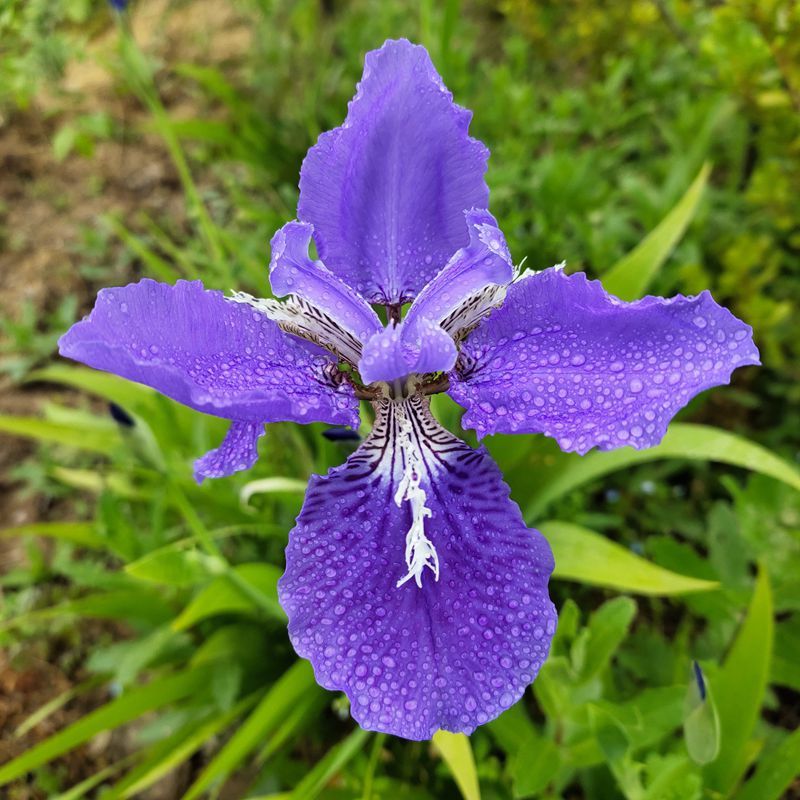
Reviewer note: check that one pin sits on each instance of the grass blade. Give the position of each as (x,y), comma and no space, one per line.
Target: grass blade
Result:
(739,690)
(295,683)
(128,707)
(80,533)
(103,442)
(683,440)
(456,752)
(587,557)
(630,277)
(775,772)
(336,758)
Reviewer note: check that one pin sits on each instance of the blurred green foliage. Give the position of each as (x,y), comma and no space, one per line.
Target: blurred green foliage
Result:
(599,118)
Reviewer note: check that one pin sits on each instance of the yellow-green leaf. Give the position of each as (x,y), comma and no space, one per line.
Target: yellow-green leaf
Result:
(629,278)
(224,596)
(739,690)
(456,752)
(587,557)
(695,442)
(80,533)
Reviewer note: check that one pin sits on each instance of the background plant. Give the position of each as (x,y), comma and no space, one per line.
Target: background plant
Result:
(653,144)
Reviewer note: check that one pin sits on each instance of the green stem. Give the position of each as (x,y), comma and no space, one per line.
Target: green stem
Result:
(369,775)
(206,540)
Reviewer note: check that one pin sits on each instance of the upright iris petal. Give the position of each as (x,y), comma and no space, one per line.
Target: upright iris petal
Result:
(471,283)
(386,192)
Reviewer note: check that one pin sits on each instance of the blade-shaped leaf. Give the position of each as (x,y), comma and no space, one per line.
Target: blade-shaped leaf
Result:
(276,484)
(223,596)
(175,565)
(683,440)
(456,752)
(629,278)
(607,628)
(80,533)
(170,753)
(587,557)
(739,690)
(295,683)
(104,442)
(775,772)
(333,761)
(129,706)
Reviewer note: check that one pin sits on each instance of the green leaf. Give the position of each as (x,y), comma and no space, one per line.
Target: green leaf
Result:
(103,384)
(535,764)
(585,556)
(157,266)
(333,761)
(175,566)
(59,701)
(80,533)
(126,708)
(647,717)
(104,442)
(739,689)
(119,483)
(223,596)
(683,440)
(700,722)
(271,486)
(607,628)
(170,753)
(127,604)
(85,786)
(629,278)
(775,772)
(276,704)
(456,752)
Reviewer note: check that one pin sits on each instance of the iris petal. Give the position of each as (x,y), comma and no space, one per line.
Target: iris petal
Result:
(471,284)
(214,355)
(397,351)
(453,653)
(334,304)
(237,452)
(386,191)
(564,358)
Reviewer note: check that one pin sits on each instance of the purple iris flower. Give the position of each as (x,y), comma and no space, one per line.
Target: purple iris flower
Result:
(412,582)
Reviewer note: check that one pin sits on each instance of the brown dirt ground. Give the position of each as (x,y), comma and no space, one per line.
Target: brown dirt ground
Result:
(44,206)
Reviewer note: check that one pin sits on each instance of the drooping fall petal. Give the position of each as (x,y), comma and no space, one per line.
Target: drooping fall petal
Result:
(452,653)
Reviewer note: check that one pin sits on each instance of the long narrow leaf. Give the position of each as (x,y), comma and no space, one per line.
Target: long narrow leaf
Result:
(80,533)
(775,772)
(103,384)
(129,706)
(170,753)
(695,442)
(585,556)
(336,758)
(456,752)
(224,596)
(103,442)
(630,277)
(739,690)
(295,683)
